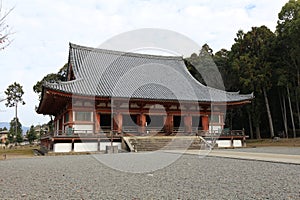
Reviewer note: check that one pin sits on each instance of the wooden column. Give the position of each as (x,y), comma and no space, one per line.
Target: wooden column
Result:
(205,123)
(142,123)
(71,116)
(222,122)
(56,125)
(188,123)
(169,123)
(61,125)
(97,122)
(118,122)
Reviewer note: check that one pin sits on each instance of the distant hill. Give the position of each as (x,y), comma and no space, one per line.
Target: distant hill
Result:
(6,124)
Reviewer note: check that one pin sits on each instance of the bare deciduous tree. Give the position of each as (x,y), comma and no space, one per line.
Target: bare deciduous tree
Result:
(5,30)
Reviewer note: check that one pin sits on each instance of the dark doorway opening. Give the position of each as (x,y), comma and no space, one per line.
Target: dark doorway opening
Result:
(105,121)
(155,121)
(178,124)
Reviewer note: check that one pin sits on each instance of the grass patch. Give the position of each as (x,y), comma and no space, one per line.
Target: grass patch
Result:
(18,151)
(291,142)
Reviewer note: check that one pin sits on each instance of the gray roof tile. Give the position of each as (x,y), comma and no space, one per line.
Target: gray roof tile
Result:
(107,73)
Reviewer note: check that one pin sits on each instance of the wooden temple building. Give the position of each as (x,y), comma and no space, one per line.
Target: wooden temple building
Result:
(111,94)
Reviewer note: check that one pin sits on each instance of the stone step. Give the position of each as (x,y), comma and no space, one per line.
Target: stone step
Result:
(156,143)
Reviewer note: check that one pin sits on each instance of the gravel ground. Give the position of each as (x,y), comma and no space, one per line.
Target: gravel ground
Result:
(276,150)
(190,177)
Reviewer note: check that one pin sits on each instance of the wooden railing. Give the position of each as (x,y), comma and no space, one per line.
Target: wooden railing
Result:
(148,130)
(224,132)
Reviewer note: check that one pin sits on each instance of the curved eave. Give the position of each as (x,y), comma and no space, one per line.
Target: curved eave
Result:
(227,98)
(91,97)
(52,102)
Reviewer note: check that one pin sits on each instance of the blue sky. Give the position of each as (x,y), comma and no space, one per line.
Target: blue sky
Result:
(44,28)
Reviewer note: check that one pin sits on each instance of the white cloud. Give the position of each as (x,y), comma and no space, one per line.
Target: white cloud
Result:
(44,28)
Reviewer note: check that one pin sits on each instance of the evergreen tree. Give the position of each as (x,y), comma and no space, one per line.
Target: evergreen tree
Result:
(288,57)
(61,75)
(15,132)
(31,134)
(250,58)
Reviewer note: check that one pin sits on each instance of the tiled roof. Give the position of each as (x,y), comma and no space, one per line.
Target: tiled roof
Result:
(107,73)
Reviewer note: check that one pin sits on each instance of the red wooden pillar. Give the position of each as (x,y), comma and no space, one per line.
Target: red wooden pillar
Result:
(118,122)
(71,116)
(205,123)
(97,122)
(142,123)
(169,123)
(188,123)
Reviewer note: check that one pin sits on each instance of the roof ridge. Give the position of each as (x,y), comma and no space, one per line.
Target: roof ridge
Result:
(120,53)
(47,84)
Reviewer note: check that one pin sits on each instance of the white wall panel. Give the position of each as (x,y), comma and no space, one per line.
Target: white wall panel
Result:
(85,146)
(224,143)
(62,147)
(237,143)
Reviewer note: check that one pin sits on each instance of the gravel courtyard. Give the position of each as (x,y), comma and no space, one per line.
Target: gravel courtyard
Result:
(190,177)
(276,150)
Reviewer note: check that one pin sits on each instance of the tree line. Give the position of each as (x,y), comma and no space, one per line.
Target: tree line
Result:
(268,64)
